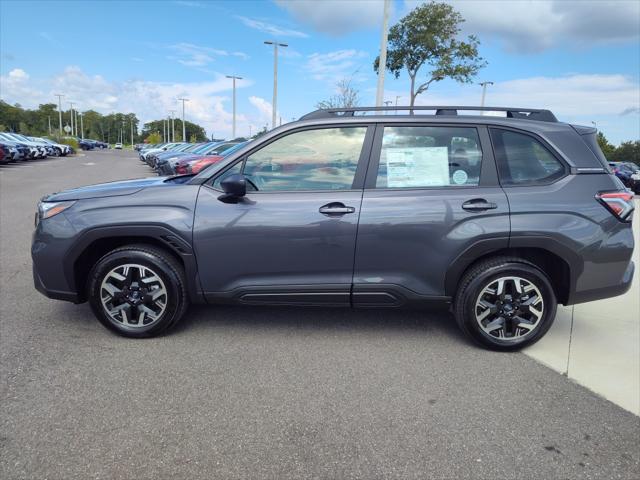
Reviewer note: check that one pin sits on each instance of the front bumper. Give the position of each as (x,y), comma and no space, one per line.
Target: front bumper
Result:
(53,294)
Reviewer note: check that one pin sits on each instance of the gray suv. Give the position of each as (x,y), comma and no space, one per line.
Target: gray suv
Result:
(499,217)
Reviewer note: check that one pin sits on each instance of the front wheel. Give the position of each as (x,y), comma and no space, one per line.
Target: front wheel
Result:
(138,291)
(505,303)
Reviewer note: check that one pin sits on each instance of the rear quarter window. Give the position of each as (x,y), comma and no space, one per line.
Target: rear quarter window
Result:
(524,160)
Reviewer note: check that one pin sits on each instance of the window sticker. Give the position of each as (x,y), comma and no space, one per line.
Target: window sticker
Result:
(417,167)
(460,177)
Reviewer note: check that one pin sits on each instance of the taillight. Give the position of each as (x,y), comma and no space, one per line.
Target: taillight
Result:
(618,203)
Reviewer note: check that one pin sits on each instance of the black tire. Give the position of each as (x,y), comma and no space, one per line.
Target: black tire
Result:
(164,266)
(483,275)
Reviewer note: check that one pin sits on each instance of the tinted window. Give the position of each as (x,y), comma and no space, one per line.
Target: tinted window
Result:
(429,157)
(324,159)
(524,160)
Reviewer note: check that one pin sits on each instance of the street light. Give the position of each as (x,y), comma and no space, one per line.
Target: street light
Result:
(71,114)
(382,63)
(173,125)
(234,78)
(184,130)
(274,103)
(81,127)
(484,91)
(59,110)
(132,132)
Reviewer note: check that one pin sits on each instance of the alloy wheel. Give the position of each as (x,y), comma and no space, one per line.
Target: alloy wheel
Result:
(133,295)
(509,308)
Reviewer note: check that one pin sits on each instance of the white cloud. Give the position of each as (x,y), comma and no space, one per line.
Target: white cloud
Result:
(18,75)
(336,17)
(270,28)
(333,66)
(535,25)
(192,55)
(567,96)
(209,102)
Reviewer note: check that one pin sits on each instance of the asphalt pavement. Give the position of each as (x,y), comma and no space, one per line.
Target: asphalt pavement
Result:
(274,393)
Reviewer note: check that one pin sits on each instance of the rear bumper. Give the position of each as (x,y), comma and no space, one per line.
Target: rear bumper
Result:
(606,291)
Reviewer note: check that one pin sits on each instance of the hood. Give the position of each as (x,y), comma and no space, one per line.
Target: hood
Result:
(111,189)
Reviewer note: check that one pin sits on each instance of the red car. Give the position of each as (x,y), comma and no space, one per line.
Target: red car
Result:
(197,165)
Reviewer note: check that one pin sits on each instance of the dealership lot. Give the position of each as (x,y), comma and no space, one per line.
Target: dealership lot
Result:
(273,392)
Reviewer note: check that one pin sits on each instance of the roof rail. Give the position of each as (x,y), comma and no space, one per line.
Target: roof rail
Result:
(540,115)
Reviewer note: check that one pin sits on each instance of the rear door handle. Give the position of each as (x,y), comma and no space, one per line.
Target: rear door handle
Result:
(478,205)
(335,208)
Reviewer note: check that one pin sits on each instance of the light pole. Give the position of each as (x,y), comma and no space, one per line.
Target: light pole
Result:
(59,111)
(234,78)
(382,64)
(131,133)
(274,103)
(81,127)
(71,115)
(173,125)
(184,130)
(75,120)
(164,131)
(484,91)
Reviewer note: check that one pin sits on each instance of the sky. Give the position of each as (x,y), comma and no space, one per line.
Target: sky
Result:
(580,59)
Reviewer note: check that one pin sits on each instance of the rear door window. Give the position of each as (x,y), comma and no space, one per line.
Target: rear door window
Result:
(429,156)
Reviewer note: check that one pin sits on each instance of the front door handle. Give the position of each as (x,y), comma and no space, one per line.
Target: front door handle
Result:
(478,205)
(335,208)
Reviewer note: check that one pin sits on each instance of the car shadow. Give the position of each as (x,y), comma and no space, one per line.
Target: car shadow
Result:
(207,319)
(203,317)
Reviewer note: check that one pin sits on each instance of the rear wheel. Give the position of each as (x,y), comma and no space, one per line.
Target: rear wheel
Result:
(505,303)
(138,291)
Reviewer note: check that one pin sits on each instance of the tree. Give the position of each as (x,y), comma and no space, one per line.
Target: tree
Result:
(428,35)
(154,138)
(346,96)
(193,130)
(627,152)
(607,148)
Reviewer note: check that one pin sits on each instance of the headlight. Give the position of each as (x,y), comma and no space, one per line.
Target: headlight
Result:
(50,209)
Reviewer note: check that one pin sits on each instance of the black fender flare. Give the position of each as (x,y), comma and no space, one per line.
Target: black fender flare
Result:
(168,237)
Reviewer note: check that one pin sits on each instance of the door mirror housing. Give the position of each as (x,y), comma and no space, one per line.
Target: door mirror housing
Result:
(234,185)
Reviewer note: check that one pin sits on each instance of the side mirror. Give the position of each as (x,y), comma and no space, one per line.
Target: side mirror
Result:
(234,185)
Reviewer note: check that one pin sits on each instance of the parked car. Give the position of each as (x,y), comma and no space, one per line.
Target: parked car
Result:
(167,165)
(118,146)
(158,148)
(27,151)
(35,151)
(499,218)
(62,149)
(192,166)
(18,151)
(152,158)
(5,155)
(628,173)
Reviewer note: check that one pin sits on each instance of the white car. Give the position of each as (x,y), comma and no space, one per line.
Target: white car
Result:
(118,146)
